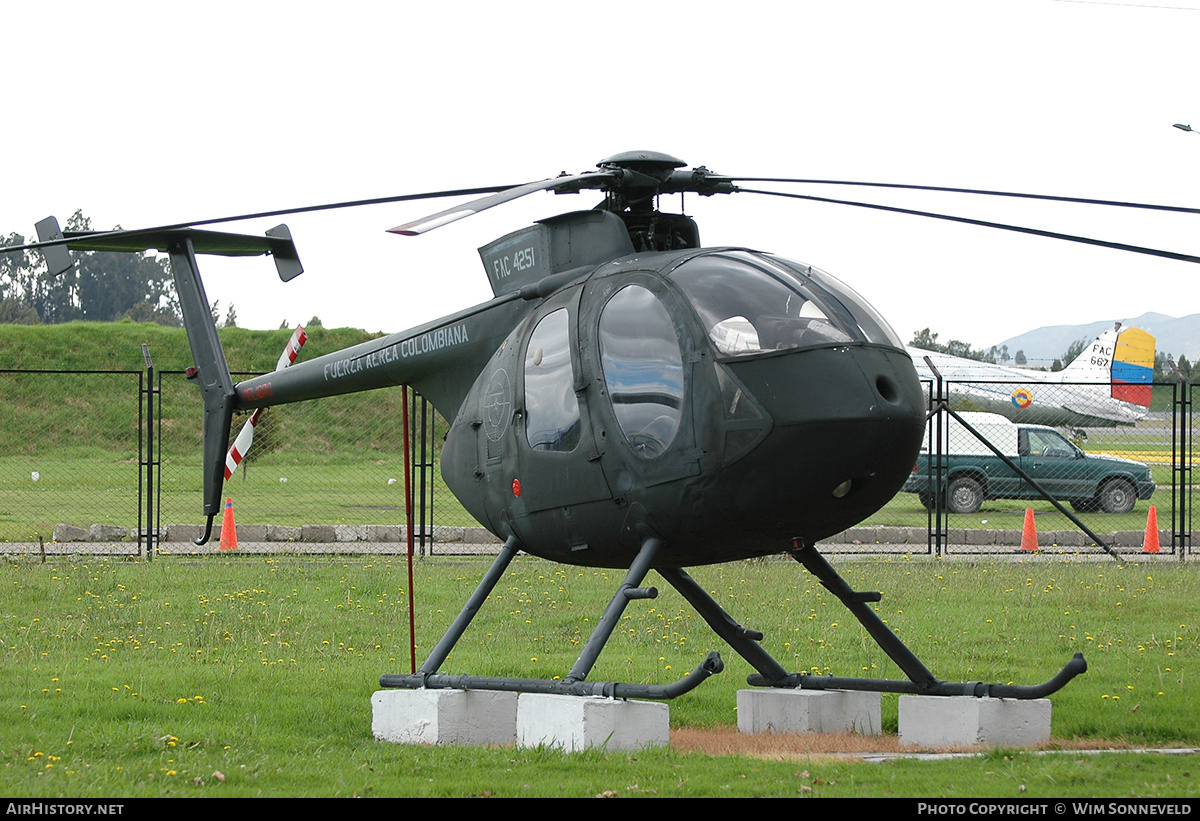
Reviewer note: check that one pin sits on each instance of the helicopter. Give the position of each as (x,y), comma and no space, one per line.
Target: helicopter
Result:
(627,399)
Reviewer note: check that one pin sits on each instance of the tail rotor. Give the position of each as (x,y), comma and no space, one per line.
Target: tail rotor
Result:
(245,437)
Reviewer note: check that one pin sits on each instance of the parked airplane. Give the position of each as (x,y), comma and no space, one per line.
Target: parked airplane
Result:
(1108,384)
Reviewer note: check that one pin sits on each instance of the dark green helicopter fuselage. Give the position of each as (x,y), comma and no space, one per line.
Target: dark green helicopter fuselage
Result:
(724,400)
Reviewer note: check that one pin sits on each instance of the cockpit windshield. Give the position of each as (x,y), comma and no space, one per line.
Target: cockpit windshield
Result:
(751,304)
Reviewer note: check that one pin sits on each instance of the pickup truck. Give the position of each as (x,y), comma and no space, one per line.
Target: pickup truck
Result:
(973,473)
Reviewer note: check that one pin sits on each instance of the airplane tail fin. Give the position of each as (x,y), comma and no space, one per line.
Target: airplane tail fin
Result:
(1133,367)
(1122,358)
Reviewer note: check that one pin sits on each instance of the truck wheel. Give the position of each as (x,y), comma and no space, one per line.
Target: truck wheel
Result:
(964,495)
(1117,496)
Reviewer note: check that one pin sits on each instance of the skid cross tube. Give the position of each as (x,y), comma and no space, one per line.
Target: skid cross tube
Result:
(921,681)
(574,684)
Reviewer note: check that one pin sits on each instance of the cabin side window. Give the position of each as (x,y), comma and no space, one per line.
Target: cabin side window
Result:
(552,421)
(643,369)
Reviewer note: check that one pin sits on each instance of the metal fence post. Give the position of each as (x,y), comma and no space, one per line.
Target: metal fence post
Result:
(146,489)
(938,516)
(1181,469)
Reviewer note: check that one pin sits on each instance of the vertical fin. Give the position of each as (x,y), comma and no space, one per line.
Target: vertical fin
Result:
(211,373)
(1094,364)
(1133,367)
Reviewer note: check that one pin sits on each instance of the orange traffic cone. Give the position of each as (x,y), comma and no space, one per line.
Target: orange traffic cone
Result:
(1029,533)
(228,529)
(1150,542)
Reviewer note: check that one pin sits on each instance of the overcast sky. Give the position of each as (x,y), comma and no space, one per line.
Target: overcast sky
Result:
(150,113)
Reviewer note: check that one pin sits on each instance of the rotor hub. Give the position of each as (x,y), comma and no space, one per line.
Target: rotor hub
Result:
(651,163)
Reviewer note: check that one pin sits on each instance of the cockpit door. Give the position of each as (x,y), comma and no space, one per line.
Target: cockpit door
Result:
(558,459)
(637,333)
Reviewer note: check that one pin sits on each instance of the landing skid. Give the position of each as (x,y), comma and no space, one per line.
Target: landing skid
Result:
(921,681)
(573,684)
(744,641)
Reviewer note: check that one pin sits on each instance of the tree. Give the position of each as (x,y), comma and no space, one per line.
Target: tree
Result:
(11,266)
(1019,358)
(1075,349)
(100,287)
(14,308)
(17,312)
(145,312)
(231,317)
(927,340)
(1166,369)
(19,276)
(1160,366)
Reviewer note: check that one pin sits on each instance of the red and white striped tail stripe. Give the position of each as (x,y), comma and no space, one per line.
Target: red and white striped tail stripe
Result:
(245,437)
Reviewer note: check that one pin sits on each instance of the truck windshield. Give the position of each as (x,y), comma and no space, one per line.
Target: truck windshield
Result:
(1046,443)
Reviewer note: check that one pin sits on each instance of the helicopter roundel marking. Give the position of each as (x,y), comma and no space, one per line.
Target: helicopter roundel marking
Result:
(497,404)
(1022,398)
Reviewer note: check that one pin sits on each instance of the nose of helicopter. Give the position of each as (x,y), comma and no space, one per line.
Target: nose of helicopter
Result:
(847,425)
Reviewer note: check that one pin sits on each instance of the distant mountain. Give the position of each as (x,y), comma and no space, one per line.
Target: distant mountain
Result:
(1173,336)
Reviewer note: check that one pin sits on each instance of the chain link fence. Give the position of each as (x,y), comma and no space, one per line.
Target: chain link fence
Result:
(986,484)
(327,476)
(66,450)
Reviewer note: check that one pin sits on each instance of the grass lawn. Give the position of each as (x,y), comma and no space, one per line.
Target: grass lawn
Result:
(243,676)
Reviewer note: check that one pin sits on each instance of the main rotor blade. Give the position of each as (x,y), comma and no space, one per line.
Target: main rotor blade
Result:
(121,232)
(1137,249)
(567,183)
(981,191)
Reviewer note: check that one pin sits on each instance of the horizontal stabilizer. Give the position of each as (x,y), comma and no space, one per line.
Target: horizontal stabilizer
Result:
(277,242)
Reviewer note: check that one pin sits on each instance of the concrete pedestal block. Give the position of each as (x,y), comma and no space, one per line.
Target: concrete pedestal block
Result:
(444,716)
(946,721)
(575,723)
(809,711)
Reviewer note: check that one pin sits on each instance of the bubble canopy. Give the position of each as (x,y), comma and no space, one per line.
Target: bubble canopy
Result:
(751,303)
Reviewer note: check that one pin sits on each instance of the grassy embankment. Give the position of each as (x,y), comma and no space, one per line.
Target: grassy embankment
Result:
(79,432)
